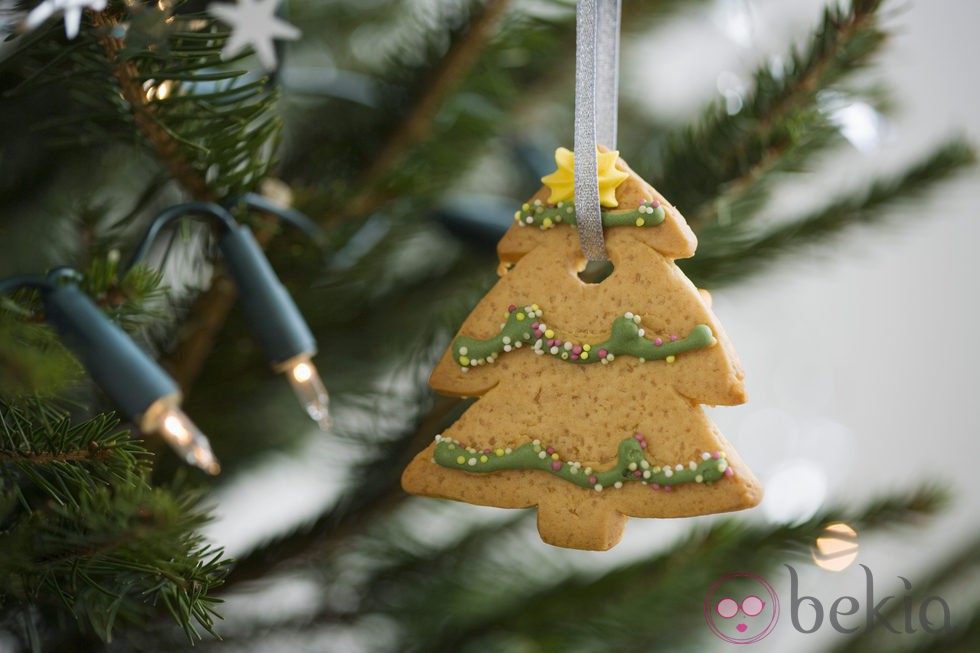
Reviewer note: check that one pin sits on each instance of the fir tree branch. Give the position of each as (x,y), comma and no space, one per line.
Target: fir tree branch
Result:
(32,360)
(727,255)
(638,605)
(360,505)
(46,458)
(208,314)
(42,451)
(132,549)
(245,160)
(202,326)
(416,125)
(733,154)
(83,529)
(130,81)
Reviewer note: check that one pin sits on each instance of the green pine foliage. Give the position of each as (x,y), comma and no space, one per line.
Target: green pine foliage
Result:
(733,253)
(99,525)
(779,126)
(87,534)
(32,360)
(642,604)
(210,124)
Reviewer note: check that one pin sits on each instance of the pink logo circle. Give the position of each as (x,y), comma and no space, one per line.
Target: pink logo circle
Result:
(741,608)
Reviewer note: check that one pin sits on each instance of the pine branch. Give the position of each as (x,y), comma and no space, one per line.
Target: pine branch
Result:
(166,148)
(370,496)
(454,118)
(361,276)
(726,157)
(82,528)
(32,360)
(417,124)
(208,124)
(133,550)
(193,134)
(727,255)
(637,605)
(397,564)
(43,451)
(402,559)
(209,127)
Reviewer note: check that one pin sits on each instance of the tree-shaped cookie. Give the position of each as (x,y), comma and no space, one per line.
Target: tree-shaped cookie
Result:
(589,394)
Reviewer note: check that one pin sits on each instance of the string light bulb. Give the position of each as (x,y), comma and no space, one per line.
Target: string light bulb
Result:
(184,437)
(277,323)
(270,311)
(309,389)
(142,391)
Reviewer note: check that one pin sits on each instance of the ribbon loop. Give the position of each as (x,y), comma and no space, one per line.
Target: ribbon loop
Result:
(596,101)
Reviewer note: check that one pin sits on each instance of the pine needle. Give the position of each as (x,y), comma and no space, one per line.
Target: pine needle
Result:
(728,255)
(727,159)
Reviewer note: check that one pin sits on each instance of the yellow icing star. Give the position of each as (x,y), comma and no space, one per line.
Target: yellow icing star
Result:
(562,181)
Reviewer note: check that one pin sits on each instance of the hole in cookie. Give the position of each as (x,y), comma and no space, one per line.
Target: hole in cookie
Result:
(596,271)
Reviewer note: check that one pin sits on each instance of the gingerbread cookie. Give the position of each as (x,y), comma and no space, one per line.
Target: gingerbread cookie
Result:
(589,393)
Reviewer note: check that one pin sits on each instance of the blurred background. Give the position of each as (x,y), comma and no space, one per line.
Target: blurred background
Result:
(823,155)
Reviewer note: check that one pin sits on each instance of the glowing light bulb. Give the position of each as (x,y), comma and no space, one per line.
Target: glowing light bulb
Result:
(187,440)
(309,390)
(303,372)
(836,548)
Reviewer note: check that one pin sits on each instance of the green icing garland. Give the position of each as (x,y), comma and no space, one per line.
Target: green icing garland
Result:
(631,465)
(626,337)
(545,216)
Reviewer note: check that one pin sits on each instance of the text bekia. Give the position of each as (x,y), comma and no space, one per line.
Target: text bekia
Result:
(847,614)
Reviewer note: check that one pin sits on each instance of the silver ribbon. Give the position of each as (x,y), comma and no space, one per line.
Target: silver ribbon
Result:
(596,102)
